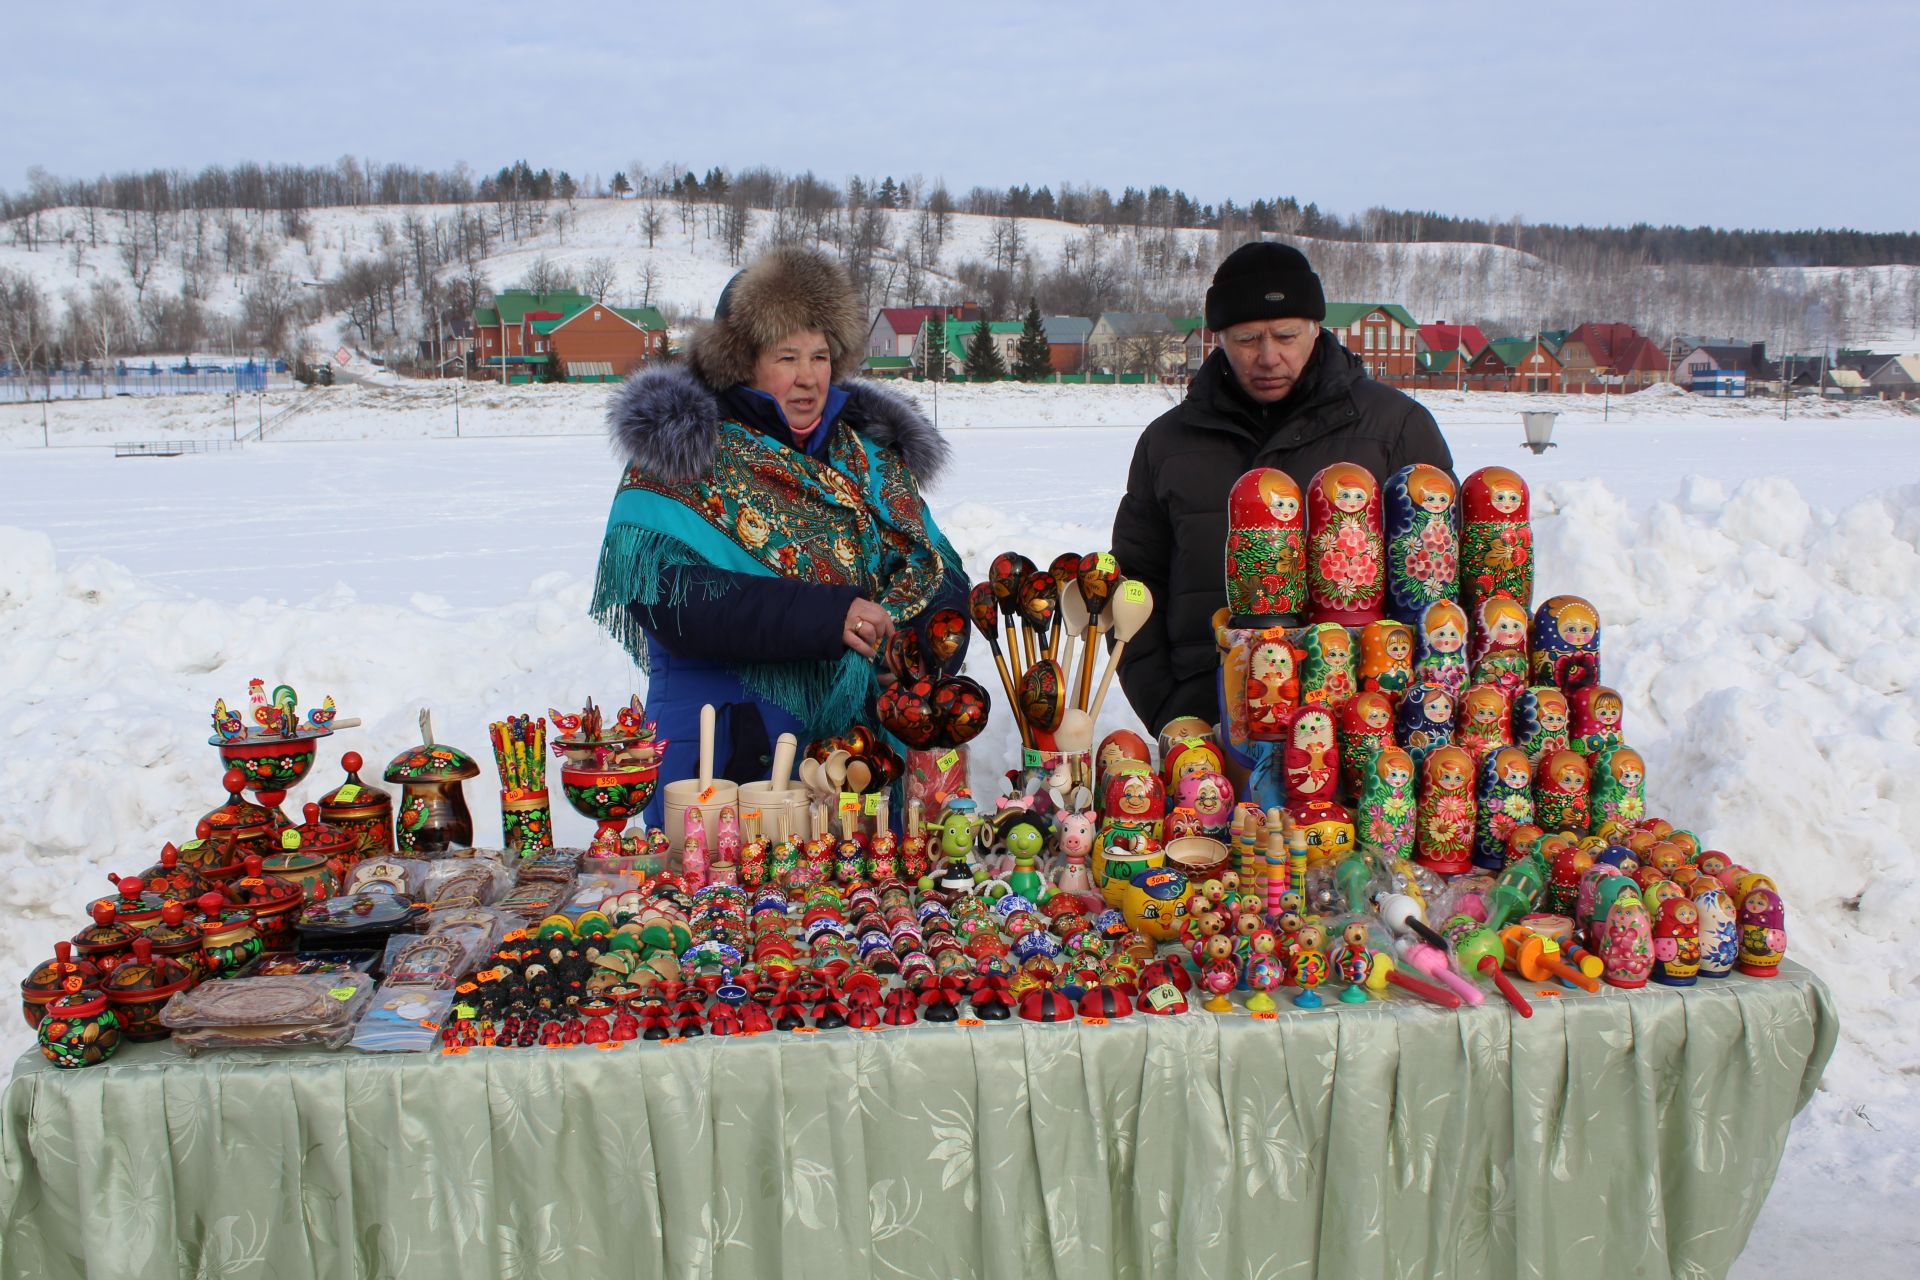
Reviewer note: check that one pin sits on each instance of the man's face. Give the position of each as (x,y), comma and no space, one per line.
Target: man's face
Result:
(1267,355)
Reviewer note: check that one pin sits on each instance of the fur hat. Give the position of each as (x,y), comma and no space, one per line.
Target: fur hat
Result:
(777,294)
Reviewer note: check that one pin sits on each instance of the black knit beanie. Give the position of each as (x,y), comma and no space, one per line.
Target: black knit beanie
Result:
(1264,281)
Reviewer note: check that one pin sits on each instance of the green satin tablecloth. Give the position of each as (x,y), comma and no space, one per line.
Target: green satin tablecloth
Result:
(1624,1134)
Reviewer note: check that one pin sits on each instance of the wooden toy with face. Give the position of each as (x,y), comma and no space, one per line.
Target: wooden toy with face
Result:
(1763,932)
(1540,719)
(1496,540)
(1326,675)
(1424,720)
(1210,797)
(1366,726)
(1628,946)
(1502,804)
(1620,789)
(1594,719)
(1444,837)
(1346,551)
(1423,540)
(1498,654)
(1312,758)
(1386,657)
(1560,793)
(1387,810)
(1440,647)
(1266,550)
(1482,725)
(1566,643)
(1273,684)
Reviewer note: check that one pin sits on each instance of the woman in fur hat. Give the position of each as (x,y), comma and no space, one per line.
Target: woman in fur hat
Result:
(768,534)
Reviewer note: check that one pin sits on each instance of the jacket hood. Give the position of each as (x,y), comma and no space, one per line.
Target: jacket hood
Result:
(666,421)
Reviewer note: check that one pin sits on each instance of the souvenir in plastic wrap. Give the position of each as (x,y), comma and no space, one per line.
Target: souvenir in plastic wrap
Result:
(1444,837)
(433,815)
(1496,540)
(1619,786)
(1561,799)
(1483,722)
(79,1030)
(1326,667)
(1503,804)
(402,1019)
(1423,540)
(1540,722)
(1365,728)
(1346,549)
(356,921)
(1763,932)
(1566,643)
(317,1011)
(1440,644)
(1498,652)
(1719,931)
(1386,657)
(360,808)
(1424,720)
(1387,807)
(1594,719)
(1676,942)
(1266,557)
(1312,759)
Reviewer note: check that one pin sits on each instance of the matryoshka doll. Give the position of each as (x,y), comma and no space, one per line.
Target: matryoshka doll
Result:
(1763,932)
(1595,713)
(1423,540)
(1560,793)
(1273,684)
(1326,665)
(1482,723)
(1676,942)
(1565,869)
(1136,806)
(1440,647)
(1366,726)
(1312,760)
(1424,720)
(1620,787)
(1498,652)
(1209,797)
(1444,837)
(1266,550)
(1504,803)
(1116,748)
(1628,948)
(1540,717)
(1387,810)
(1496,541)
(1386,657)
(1719,937)
(1566,643)
(1346,552)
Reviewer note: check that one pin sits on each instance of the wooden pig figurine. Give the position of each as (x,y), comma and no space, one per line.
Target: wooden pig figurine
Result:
(1595,713)
(1482,723)
(1266,550)
(1346,552)
(1540,719)
(1387,809)
(1619,786)
(1498,652)
(1676,942)
(1424,721)
(1444,838)
(1423,540)
(1440,647)
(1719,934)
(1326,671)
(1566,643)
(1504,803)
(1386,657)
(1560,793)
(1365,729)
(1496,540)
(1312,760)
(1273,685)
(1763,932)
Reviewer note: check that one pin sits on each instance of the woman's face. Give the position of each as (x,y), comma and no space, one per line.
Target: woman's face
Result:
(796,372)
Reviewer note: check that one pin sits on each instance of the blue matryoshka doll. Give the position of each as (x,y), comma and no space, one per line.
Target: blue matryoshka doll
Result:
(1424,720)
(1566,643)
(1423,540)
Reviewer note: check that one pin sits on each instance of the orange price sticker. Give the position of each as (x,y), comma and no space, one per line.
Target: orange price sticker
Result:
(968,1022)
(490,975)
(674,1040)
(611,1044)
(1548,992)
(748,1035)
(751,815)
(466,989)
(454,1050)
(1094,1022)
(806,1031)
(1265,1015)
(849,802)
(516,936)
(429,1024)
(706,797)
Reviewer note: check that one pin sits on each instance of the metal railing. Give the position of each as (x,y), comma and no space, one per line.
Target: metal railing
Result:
(170,448)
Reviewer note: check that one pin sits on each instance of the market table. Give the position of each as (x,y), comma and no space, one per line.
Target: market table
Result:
(1612,1135)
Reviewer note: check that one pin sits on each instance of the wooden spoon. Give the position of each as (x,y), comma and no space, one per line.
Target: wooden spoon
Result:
(1073,621)
(1039,606)
(1043,697)
(1098,574)
(986,620)
(1132,606)
(859,776)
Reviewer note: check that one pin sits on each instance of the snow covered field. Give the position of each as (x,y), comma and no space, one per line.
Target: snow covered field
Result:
(1759,581)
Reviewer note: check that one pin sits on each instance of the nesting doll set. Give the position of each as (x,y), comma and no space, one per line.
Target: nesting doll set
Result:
(1444,836)
(1482,721)
(1387,809)
(1346,552)
(1365,729)
(1498,653)
(1440,647)
(1386,657)
(1312,759)
(1619,786)
(1423,541)
(1326,669)
(1502,804)
(1566,643)
(1561,793)
(1266,550)
(1540,722)
(1496,540)
(1676,941)
(1424,720)
(1594,719)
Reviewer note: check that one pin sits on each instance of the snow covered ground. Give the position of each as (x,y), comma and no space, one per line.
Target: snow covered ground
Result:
(1759,582)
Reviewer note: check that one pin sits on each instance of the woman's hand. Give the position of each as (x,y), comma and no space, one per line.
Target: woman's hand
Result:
(866,628)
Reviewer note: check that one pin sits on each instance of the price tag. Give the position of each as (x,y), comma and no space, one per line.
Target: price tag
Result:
(706,797)
(947,761)
(1032,758)
(872,805)
(1164,996)
(429,1024)
(516,936)
(751,815)
(490,975)
(1133,592)
(611,1044)
(1105,562)
(1265,1015)
(806,1031)
(465,1011)
(1094,1022)
(454,1050)
(344,993)
(849,802)
(349,792)
(968,1022)
(674,1040)
(289,839)
(466,989)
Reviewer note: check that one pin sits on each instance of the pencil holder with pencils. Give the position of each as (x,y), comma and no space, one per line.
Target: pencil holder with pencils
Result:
(526,815)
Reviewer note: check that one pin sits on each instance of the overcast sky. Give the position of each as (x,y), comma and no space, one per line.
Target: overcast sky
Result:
(1760,114)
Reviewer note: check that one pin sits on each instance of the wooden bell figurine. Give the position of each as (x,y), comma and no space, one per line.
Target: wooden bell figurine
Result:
(1496,540)
(1423,540)
(1719,932)
(1763,932)
(1595,713)
(1387,809)
(1273,684)
(1498,652)
(1482,722)
(1676,942)
(1440,647)
(1266,550)
(1326,672)
(1312,759)
(1628,947)
(1346,551)
(1560,793)
(1365,728)
(1566,643)
(1504,803)
(1540,720)
(1424,720)
(1444,838)
(1619,786)
(1386,657)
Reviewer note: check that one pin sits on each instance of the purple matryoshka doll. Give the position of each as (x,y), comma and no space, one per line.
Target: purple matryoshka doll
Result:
(1424,720)
(1763,932)
(1209,796)
(1719,937)
(1566,643)
(1266,550)
(1628,949)
(1326,672)
(1504,802)
(1676,942)
(1423,540)
(1365,728)
(1273,684)
(1346,552)
(1496,540)
(1312,759)
(1440,647)
(1386,657)
(1387,809)
(1594,720)
(1560,793)
(1444,836)
(1619,785)
(1498,653)
(1540,717)
(1481,721)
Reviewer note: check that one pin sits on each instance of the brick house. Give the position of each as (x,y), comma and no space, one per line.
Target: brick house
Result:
(1515,364)
(564,335)
(1067,342)
(1383,334)
(1452,337)
(1597,355)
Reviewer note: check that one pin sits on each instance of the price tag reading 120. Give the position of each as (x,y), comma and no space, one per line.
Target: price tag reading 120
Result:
(1133,592)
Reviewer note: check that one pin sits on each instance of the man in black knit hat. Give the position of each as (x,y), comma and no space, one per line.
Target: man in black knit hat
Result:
(1279,392)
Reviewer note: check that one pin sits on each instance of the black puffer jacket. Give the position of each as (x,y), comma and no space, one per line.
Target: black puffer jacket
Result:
(1171,529)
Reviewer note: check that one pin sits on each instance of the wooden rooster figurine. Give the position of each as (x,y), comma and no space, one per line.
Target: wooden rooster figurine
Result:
(566,724)
(265,714)
(225,723)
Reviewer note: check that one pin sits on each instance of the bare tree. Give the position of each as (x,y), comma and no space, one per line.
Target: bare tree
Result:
(138,260)
(545,276)
(653,220)
(25,328)
(649,276)
(736,218)
(598,276)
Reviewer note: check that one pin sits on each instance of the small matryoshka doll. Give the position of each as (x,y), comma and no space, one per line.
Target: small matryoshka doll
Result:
(1719,936)
(1504,804)
(1386,657)
(1676,942)
(1326,665)
(1628,950)
(1273,684)
(1440,647)
(1595,713)
(1620,790)
(1366,726)
(1136,805)
(1423,540)
(1444,838)
(1210,797)
(1346,553)
(1566,643)
(1540,717)
(1560,793)
(1763,932)
(1387,812)
(1498,652)
(1565,869)
(1424,720)
(1266,550)
(1481,722)
(1496,541)
(1312,760)
(1116,748)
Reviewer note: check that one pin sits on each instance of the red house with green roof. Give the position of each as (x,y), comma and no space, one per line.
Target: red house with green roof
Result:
(1383,334)
(564,336)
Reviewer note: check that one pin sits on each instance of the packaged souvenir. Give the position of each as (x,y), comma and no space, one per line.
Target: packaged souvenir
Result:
(403,1019)
(314,1011)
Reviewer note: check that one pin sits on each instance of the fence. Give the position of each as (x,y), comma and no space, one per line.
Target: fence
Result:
(149,381)
(169,448)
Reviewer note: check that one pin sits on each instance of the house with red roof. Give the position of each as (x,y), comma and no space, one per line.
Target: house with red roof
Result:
(1435,338)
(1597,355)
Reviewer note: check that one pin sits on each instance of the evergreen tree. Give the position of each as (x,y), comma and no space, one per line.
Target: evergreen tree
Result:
(983,363)
(932,351)
(1032,358)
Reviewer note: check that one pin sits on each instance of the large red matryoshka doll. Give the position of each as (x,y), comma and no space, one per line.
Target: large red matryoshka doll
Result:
(1481,722)
(1135,805)
(1266,550)
(1423,721)
(1497,654)
(1561,793)
(1346,553)
(1763,932)
(1440,647)
(1595,713)
(1496,540)
(1566,643)
(1326,670)
(1444,835)
(1676,942)
(1503,804)
(1540,719)
(1423,540)
(1386,657)
(1365,729)
(1273,684)
(1312,760)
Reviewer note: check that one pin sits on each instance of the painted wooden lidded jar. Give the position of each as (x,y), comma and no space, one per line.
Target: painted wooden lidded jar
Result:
(63,975)
(362,809)
(224,838)
(275,902)
(433,814)
(138,988)
(79,1030)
